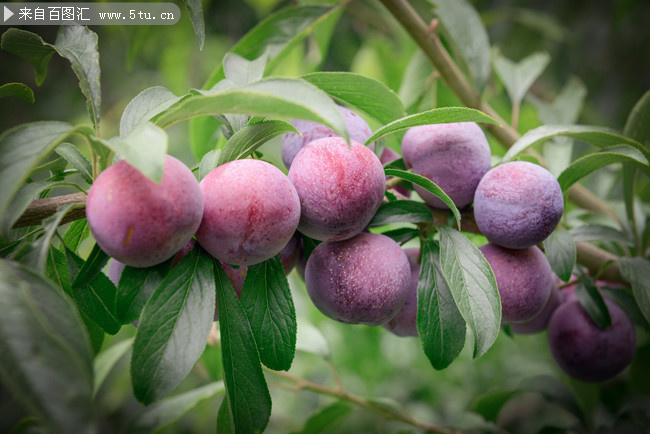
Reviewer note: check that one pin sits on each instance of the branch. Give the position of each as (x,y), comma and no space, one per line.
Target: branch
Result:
(40,209)
(455,80)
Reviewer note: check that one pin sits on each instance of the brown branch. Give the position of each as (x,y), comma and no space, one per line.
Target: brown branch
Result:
(456,81)
(40,209)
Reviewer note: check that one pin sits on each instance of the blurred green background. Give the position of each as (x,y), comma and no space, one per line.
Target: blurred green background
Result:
(601,43)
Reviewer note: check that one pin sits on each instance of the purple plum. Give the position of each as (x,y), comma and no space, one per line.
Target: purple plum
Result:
(405,322)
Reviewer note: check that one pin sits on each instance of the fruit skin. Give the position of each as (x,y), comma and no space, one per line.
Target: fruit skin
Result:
(524,280)
(292,143)
(251,212)
(454,156)
(141,223)
(363,280)
(586,352)
(540,321)
(518,204)
(340,187)
(405,322)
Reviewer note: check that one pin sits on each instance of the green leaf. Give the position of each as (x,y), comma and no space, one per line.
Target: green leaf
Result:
(473,286)
(76,233)
(143,148)
(597,136)
(414,80)
(435,116)
(489,405)
(17,89)
(209,162)
(135,287)
(637,126)
(248,395)
(591,233)
(96,299)
(328,419)
(278,34)
(590,298)
(401,211)
(429,186)
(144,106)
(586,164)
(77,160)
(441,327)
(637,272)
(243,71)
(367,94)
(92,267)
(224,423)
(518,77)
(174,327)
(402,235)
(34,254)
(169,410)
(251,137)
(462,24)
(287,97)
(19,204)
(106,360)
(625,300)
(30,47)
(46,359)
(311,340)
(195,9)
(266,298)
(560,249)
(21,149)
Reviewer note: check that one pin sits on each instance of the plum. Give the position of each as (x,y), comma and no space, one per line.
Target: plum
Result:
(251,212)
(405,322)
(292,143)
(362,280)
(454,156)
(139,222)
(524,280)
(518,204)
(340,187)
(540,321)
(586,352)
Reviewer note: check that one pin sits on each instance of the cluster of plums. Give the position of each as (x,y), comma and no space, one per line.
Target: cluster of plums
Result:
(247,211)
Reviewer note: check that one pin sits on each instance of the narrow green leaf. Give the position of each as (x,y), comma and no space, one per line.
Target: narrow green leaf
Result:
(328,419)
(224,424)
(586,164)
(248,395)
(77,160)
(17,89)
(251,137)
(637,272)
(107,359)
(311,340)
(591,233)
(195,8)
(30,47)
(590,298)
(46,359)
(429,186)
(402,235)
(19,204)
(92,267)
(435,116)
(560,249)
(243,71)
(462,24)
(96,299)
(34,254)
(625,300)
(266,298)
(473,286)
(209,162)
(56,269)
(174,327)
(401,211)
(95,332)
(278,34)
(367,94)
(144,106)
(287,97)
(76,233)
(518,77)
(143,148)
(597,136)
(441,327)
(414,80)
(169,410)
(21,148)
(637,126)
(135,287)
